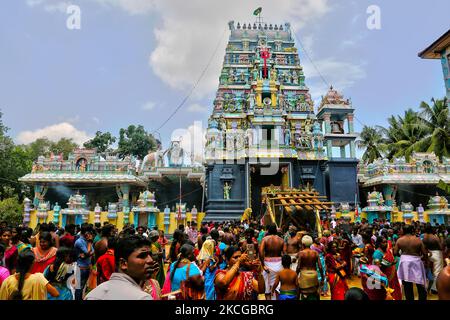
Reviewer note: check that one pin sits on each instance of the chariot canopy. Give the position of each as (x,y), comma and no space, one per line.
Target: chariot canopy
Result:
(297,206)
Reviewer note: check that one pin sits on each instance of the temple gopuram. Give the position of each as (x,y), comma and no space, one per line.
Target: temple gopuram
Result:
(264,130)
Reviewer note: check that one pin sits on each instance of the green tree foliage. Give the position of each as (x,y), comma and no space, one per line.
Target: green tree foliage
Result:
(64,146)
(43,147)
(424,131)
(405,134)
(101,141)
(437,119)
(40,147)
(14,163)
(372,141)
(136,141)
(11,211)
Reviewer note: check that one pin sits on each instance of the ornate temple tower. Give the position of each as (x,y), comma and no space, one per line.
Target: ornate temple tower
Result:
(263,129)
(336,114)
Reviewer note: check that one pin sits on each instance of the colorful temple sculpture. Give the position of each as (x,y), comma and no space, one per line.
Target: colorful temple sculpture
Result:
(336,114)
(438,211)
(410,182)
(145,211)
(263,129)
(344,210)
(75,213)
(407,213)
(113,188)
(376,208)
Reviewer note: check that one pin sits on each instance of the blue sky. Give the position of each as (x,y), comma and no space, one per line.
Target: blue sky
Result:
(133,61)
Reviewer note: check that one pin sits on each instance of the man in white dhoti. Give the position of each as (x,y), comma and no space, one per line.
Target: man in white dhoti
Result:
(270,253)
(434,247)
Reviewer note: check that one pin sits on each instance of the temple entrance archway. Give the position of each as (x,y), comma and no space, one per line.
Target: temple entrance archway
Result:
(258,180)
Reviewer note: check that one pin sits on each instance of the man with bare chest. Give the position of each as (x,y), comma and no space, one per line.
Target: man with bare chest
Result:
(411,268)
(443,284)
(433,244)
(308,279)
(270,253)
(292,247)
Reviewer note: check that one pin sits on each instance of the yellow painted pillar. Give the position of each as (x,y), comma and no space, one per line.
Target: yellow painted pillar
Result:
(258,91)
(172,223)
(49,217)
(104,217)
(33,219)
(200,217)
(131,217)
(188,216)
(119,221)
(364,215)
(91,217)
(160,221)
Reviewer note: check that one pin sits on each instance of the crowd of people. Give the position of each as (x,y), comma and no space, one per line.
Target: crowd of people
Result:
(230,260)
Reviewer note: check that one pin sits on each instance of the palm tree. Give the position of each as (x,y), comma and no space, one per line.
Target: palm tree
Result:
(405,135)
(372,141)
(437,120)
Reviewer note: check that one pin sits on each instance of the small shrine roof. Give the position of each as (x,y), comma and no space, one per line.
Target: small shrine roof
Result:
(85,177)
(334,100)
(408,178)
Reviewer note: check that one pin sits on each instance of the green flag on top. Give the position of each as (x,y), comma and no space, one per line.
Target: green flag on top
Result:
(257,11)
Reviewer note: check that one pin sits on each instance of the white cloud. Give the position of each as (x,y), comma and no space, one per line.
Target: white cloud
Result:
(341,75)
(50,5)
(190,31)
(96,120)
(60,6)
(33,3)
(54,133)
(131,6)
(197,108)
(148,106)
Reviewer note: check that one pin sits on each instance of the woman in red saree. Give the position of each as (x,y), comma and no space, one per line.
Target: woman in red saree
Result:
(44,252)
(336,273)
(368,247)
(345,250)
(384,258)
(11,252)
(234,284)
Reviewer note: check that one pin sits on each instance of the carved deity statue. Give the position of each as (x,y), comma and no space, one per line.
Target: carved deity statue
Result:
(175,154)
(273,74)
(294,77)
(255,73)
(287,137)
(226,190)
(249,137)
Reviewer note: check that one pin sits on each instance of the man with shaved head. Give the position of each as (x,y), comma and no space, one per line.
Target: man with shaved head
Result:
(308,279)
